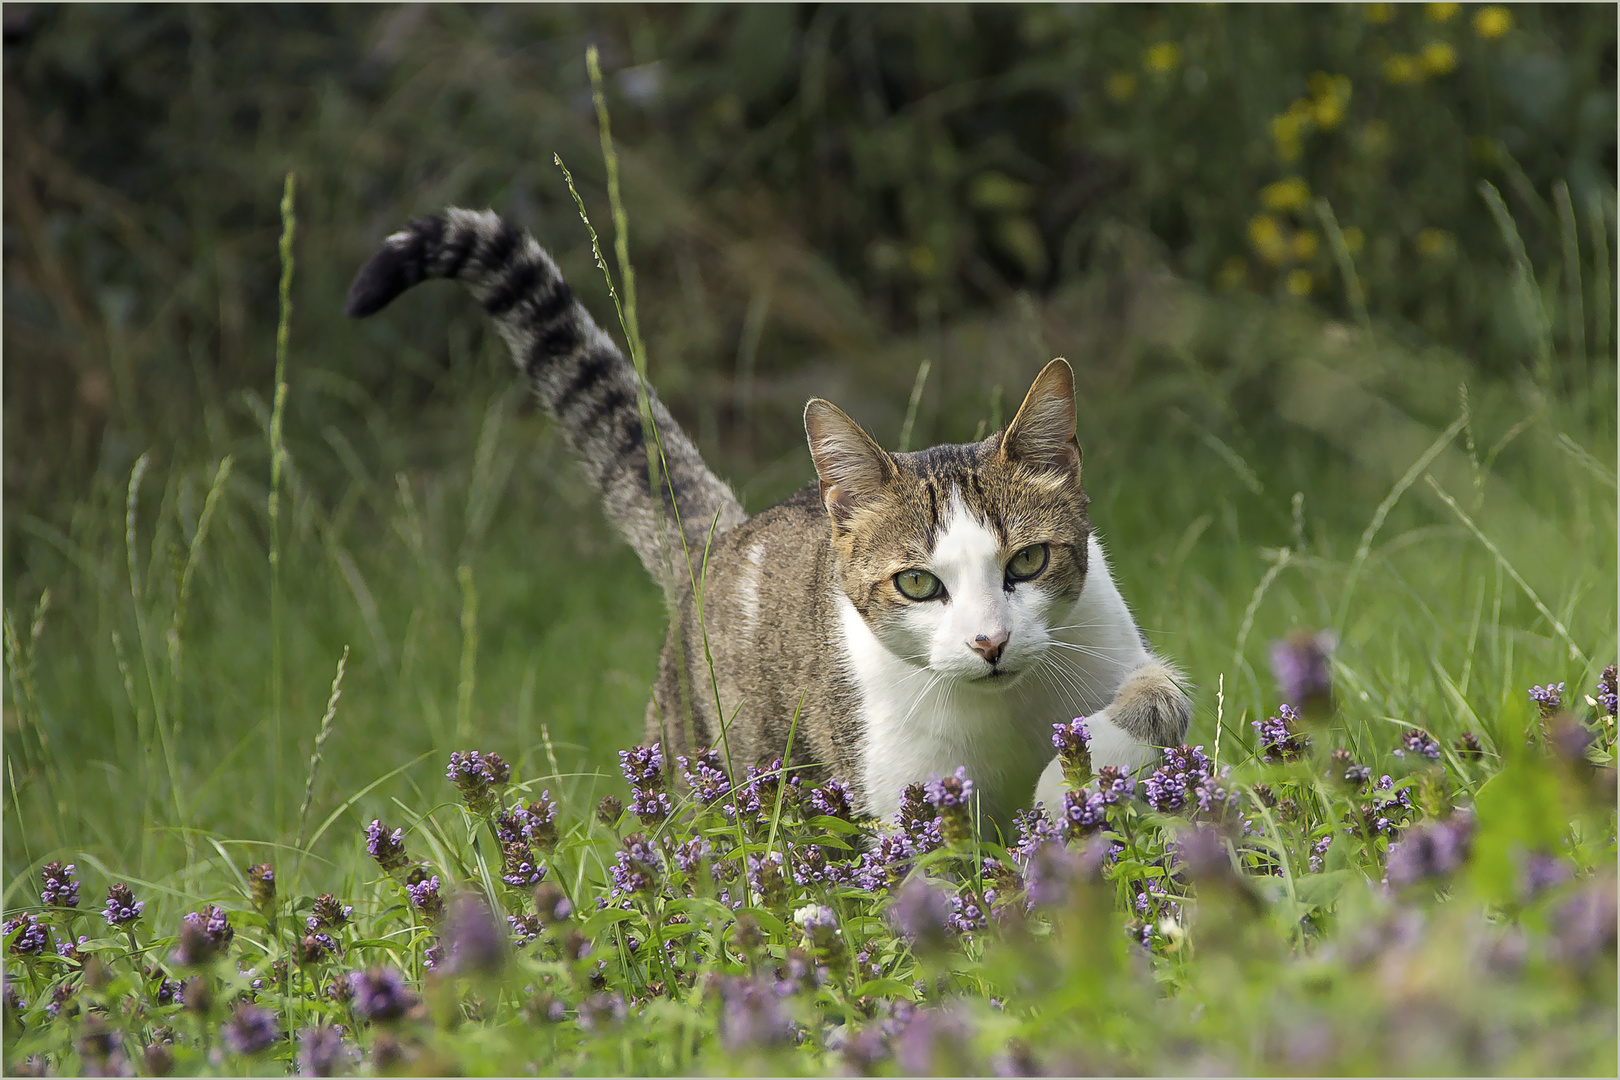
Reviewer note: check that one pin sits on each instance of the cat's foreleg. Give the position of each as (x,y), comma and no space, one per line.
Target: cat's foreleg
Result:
(1150,710)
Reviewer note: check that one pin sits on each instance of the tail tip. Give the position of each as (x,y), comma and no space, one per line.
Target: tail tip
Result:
(386,276)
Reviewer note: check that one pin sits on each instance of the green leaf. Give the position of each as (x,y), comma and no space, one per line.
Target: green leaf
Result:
(1319,890)
(1521,809)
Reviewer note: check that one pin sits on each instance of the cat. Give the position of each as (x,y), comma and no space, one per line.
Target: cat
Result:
(902,615)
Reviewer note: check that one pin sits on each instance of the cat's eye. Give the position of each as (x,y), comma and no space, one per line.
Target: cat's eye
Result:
(1027,563)
(917,584)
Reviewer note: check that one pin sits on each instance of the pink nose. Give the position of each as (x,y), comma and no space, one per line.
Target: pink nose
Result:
(990,647)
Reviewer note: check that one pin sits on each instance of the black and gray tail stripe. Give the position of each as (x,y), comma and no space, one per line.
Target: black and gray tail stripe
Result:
(577,373)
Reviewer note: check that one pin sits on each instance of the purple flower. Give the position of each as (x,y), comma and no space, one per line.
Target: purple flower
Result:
(1300,665)
(689,856)
(1418,741)
(1549,699)
(122,909)
(1608,695)
(601,1010)
(329,913)
(1280,737)
(1172,784)
(967,913)
(651,807)
(475,942)
(1073,744)
(1468,746)
(751,1014)
(1034,830)
(425,897)
(643,767)
(820,925)
(1055,868)
(1586,924)
(914,806)
(322,1051)
(757,799)
(203,937)
(932,1044)
(952,795)
(380,994)
(479,778)
(705,774)
(262,887)
(609,810)
(1084,811)
(1540,872)
(518,867)
(388,848)
(529,822)
(636,867)
(59,889)
(832,800)
(32,939)
(551,904)
(316,947)
(1387,813)
(765,879)
(250,1030)
(1318,850)
(1433,850)
(922,912)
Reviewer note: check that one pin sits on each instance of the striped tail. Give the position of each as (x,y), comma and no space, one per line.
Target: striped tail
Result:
(578,374)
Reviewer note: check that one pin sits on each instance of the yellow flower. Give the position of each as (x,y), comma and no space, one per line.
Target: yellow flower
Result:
(1162,57)
(1434,243)
(1288,150)
(1121,86)
(1493,21)
(1401,69)
(1327,112)
(1440,12)
(1284,195)
(922,261)
(1354,238)
(1299,283)
(1233,274)
(1438,58)
(1304,245)
(1378,14)
(1267,238)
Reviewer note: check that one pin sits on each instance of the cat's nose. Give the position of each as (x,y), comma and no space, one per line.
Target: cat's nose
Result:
(990,646)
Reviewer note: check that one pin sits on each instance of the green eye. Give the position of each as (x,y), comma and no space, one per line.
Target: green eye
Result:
(1027,563)
(917,584)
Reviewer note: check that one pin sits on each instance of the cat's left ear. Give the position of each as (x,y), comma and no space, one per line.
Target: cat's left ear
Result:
(1042,434)
(851,465)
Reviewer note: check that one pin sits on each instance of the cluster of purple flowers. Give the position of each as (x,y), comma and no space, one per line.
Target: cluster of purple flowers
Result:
(262,887)
(380,995)
(832,800)
(58,889)
(122,909)
(1300,664)
(1072,741)
(751,1013)
(203,937)
(250,1030)
(1085,810)
(32,936)
(643,769)
(951,797)
(474,942)
(968,913)
(636,867)
(329,913)
(1430,851)
(388,848)
(922,912)
(755,801)
(1608,695)
(1390,808)
(1549,699)
(706,775)
(1280,736)
(811,866)
(529,822)
(519,868)
(479,778)
(1319,852)
(1420,742)
(424,894)
(322,1051)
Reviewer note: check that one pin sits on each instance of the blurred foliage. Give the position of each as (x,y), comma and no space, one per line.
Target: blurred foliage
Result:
(807,182)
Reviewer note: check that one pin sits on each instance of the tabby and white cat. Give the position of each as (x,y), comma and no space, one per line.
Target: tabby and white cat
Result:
(914,611)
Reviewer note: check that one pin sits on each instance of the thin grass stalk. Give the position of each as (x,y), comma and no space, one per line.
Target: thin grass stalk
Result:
(912,404)
(277,455)
(1524,281)
(1354,295)
(1598,224)
(159,717)
(1572,276)
(320,745)
(1284,555)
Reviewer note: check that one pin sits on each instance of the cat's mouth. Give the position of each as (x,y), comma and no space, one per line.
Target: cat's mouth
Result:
(998,678)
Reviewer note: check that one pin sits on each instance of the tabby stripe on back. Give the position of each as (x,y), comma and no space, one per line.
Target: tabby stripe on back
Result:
(577,373)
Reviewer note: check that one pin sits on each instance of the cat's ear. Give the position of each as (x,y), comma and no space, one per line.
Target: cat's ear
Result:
(1042,434)
(849,463)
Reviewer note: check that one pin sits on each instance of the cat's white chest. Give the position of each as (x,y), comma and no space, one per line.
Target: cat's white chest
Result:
(918,722)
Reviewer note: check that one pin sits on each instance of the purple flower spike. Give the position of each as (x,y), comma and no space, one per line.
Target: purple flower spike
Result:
(831,800)
(122,909)
(59,888)
(251,1030)
(952,796)
(380,994)
(388,848)
(636,868)
(32,939)
(1073,744)
(1431,851)
(1608,695)
(1280,737)
(922,913)
(643,766)
(1300,664)
(479,778)
(1418,741)
(1549,699)
(322,1051)
(751,1016)
(706,775)
(425,897)
(476,944)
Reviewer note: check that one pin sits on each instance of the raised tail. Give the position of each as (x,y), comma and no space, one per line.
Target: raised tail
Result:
(576,371)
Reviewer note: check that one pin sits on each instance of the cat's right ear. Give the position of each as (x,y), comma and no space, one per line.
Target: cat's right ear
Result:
(849,463)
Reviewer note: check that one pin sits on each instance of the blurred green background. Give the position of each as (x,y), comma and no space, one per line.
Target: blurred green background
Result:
(1258,232)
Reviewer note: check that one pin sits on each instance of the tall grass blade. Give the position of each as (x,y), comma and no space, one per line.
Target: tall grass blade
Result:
(1524,282)
(1572,273)
(277,457)
(912,404)
(320,744)
(469,655)
(1354,295)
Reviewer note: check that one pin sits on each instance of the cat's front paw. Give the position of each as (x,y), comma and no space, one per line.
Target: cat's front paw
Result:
(1151,707)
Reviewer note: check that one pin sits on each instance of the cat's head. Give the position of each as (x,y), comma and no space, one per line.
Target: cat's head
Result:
(961,559)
